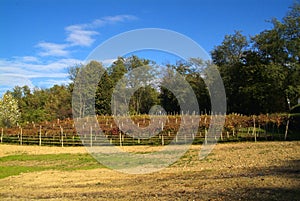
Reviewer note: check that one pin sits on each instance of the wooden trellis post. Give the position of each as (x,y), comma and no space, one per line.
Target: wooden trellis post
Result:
(1,135)
(40,136)
(120,136)
(91,136)
(287,127)
(254,132)
(21,136)
(62,136)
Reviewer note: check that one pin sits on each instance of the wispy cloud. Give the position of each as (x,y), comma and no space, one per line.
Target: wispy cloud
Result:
(6,80)
(16,71)
(51,82)
(108,20)
(53,49)
(119,18)
(50,65)
(82,35)
(26,58)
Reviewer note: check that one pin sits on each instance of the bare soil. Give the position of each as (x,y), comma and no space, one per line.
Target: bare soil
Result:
(233,171)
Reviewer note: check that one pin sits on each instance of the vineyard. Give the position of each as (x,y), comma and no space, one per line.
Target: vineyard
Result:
(107,131)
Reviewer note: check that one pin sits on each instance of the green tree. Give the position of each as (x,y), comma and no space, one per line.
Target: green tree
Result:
(126,73)
(281,46)
(167,99)
(192,72)
(58,103)
(103,95)
(43,104)
(229,58)
(258,79)
(85,87)
(148,98)
(231,50)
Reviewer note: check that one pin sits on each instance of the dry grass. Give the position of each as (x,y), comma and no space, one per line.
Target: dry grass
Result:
(233,171)
(6,150)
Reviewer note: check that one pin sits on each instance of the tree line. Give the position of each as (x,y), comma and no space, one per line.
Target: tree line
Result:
(260,73)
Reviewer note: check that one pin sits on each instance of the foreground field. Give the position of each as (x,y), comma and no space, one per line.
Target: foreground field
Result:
(233,171)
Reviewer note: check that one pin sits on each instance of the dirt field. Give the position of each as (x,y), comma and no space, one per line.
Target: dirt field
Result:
(233,171)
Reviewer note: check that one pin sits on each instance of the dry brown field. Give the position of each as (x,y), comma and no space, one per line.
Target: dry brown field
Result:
(233,171)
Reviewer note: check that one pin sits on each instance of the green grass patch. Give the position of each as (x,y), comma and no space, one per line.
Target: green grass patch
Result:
(17,164)
(6,171)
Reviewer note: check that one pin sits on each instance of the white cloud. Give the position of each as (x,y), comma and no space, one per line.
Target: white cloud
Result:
(37,71)
(107,62)
(16,71)
(82,34)
(119,18)
(30,59)
(26,58)
(8,82)
(11,80)
(30,69)
(53,49)
(51,82)
(80,37)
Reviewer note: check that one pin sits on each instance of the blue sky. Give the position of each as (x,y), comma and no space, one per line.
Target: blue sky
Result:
(40,39)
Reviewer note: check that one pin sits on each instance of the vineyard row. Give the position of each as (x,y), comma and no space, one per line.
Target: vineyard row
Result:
(167,129)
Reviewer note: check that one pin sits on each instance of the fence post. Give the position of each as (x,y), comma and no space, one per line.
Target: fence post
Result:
(1,135)
(21,136)
(287,127)
(254,132)
(62,136)
(91,136)
(162,140)
(120,136)
(40,136)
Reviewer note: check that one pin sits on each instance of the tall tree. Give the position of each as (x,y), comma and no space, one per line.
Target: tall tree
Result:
(9,111)
(258,79)
(191,73)
(231,50)
(85,86)
(135,81)
(103,95)
(58,103)
(281,46)
(167,99)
